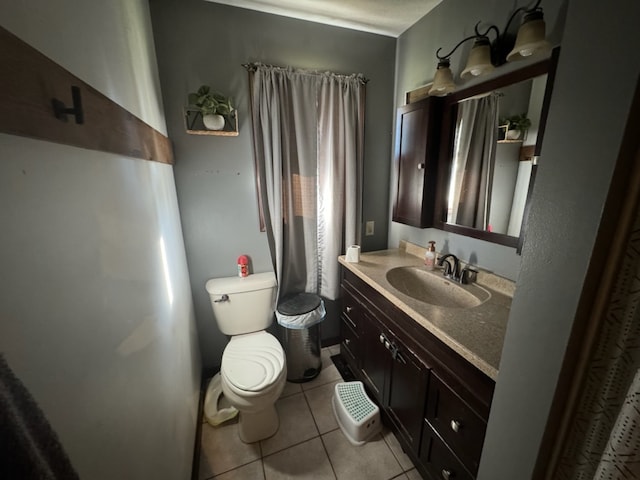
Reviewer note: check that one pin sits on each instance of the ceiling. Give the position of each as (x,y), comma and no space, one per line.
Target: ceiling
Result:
(383,17)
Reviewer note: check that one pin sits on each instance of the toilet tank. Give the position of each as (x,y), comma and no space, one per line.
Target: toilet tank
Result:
(243,304)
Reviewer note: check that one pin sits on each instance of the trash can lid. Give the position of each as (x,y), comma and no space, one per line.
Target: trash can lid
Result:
(299,303)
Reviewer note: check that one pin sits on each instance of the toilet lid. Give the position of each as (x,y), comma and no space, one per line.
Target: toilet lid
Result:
(253,361)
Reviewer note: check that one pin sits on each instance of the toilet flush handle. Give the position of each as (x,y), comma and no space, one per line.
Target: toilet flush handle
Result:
(223,298)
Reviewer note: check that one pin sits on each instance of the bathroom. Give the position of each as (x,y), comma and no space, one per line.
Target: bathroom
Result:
(118,375)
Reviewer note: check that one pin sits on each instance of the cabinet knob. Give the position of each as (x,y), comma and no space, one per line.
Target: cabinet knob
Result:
(455,425)
(446,474)
(381,338)
(347,342)
(421,166)
(349,309)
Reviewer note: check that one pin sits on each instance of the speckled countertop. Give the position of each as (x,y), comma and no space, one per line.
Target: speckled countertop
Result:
(475,333)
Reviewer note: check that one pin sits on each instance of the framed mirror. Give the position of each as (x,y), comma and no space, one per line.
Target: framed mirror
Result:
(491,139)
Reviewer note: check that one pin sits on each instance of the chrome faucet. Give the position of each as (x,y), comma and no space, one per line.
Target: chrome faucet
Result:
(451,269)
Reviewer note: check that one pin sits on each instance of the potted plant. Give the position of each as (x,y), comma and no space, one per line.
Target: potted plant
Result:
(517,125)
(213,106)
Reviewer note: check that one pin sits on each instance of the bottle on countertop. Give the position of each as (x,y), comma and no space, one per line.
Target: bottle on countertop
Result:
(243,266)
(430,256)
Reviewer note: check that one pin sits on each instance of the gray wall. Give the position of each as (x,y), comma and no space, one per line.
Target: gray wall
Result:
(199,42)
(581,144)
(445,26)
(95,319)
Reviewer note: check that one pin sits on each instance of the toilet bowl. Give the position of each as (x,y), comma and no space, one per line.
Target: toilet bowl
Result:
(253,370)
(253,375)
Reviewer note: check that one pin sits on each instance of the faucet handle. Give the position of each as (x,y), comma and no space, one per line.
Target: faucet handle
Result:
(468,275)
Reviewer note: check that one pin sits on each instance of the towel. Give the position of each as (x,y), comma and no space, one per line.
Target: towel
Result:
(29,448)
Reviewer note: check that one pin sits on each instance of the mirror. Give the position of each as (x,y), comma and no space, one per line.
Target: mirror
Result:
(492,134)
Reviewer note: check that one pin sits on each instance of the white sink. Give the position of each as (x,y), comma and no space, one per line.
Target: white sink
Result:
(434,289)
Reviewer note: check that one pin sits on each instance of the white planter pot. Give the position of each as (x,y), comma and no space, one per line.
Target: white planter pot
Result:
(213,122)
(513,134)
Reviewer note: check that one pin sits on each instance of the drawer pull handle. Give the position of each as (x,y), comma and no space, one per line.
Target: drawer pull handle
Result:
(347,342)
(382,338)
(421,166)
(455,425)
(349,309)
(446,474)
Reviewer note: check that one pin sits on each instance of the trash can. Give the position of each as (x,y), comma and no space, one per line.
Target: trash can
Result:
(300,315)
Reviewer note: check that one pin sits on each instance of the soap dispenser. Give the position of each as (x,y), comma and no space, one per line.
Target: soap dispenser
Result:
(430,256)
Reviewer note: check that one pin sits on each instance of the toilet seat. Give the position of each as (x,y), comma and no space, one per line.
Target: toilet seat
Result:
(252,362)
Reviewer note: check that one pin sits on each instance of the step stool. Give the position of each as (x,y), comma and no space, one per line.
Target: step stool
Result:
(357,416)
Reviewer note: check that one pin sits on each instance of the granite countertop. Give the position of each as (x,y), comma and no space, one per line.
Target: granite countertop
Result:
(475,333)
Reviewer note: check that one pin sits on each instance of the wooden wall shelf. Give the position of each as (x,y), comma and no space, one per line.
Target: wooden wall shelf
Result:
(194,126)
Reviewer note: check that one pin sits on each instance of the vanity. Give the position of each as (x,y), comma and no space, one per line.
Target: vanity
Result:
(430,363)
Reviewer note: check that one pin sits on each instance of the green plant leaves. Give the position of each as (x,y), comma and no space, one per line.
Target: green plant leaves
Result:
(516,122)
(210,103)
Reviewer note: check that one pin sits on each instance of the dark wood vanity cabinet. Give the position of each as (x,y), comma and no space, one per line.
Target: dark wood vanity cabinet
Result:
(395,376)
(435,401)
(416,162)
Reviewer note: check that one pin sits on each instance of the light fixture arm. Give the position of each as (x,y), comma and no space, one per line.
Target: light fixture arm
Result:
(521,9)
(486,34)
(444,57)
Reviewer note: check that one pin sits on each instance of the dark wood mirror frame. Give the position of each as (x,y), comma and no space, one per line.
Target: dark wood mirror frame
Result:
(449,116)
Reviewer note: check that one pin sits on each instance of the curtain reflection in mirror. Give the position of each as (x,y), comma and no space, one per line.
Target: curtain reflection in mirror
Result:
(473,162)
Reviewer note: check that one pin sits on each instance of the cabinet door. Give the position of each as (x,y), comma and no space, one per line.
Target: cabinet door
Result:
(407,393)
(416,163)
(375,357)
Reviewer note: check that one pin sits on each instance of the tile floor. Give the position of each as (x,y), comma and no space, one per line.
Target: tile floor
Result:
(308,445)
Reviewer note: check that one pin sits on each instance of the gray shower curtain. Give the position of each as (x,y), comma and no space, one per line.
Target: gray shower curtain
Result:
(474,159)
(308,133)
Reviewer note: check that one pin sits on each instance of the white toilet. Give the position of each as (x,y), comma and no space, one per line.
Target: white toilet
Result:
(253,369)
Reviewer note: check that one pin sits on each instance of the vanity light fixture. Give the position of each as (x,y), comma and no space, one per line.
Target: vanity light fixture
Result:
(485,56)
(531,38)
(479,61)
(443,81)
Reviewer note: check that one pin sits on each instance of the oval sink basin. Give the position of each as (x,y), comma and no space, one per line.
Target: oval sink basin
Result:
(435,289)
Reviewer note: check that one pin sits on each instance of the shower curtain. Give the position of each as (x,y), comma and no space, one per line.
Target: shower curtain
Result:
(474,159)
(308,131)
(604,440)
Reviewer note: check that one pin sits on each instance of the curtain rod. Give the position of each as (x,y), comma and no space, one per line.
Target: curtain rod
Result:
(252,67)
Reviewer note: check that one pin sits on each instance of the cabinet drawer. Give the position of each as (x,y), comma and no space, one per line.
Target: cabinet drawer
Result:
(458,425)
(349,344)
(439,461)
(352,310)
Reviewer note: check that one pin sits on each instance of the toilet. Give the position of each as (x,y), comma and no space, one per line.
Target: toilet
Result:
(253,370)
